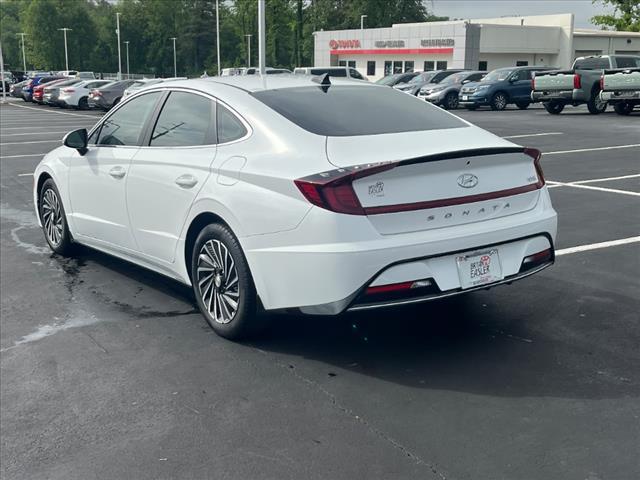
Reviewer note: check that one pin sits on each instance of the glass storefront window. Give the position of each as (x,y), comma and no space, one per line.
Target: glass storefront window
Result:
(408,66)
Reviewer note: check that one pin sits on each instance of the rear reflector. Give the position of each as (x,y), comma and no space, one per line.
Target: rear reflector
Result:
(536,259)
(398,287)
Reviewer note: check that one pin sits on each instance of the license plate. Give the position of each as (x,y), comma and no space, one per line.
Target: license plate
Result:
(479,268)
(465,97)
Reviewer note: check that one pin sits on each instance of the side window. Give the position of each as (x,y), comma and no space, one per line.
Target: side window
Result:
(185,119)
(125,126)
(229,127)
(441,65)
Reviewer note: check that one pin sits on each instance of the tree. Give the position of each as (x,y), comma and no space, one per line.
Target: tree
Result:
(625,17)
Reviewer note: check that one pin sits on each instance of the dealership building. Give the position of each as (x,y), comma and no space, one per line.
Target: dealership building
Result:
(482,44)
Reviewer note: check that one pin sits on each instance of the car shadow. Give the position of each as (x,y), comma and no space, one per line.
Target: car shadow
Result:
(513,341)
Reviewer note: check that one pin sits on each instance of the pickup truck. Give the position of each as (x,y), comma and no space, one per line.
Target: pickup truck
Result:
(580,85)
(621,88)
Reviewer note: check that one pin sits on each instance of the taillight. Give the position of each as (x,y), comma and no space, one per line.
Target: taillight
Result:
(333,190)
(533,82)
(576,81)
(536,155)
(68,90)
(602,82)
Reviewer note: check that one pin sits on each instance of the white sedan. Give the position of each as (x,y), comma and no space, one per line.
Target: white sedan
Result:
(281,193)
(76,95)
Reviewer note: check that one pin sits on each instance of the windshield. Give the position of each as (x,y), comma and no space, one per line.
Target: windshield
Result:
(455,78)
(497,75)
(423,77)
(386,80)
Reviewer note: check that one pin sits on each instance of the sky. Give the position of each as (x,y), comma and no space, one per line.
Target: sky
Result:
(582,9)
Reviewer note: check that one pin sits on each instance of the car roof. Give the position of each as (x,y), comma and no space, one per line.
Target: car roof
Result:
(254,83)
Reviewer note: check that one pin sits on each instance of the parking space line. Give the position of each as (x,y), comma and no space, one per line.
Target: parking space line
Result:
(25,174)
(597,246)
(20,156)
(590,187)
(55,113)
(533,135)
(29,143)
(31,133)
(614,147)
(554,184)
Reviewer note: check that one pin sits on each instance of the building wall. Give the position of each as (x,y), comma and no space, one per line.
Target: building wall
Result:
(606,45)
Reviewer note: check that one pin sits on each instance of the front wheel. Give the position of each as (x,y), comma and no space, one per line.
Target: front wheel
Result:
(499,101)
(554,107)
(623,108)
(450,101)
(54,220)
(222,283)
(595,105)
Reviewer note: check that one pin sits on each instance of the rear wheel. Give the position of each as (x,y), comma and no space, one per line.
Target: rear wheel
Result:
(623,108)
(523,105)
(222,283)
(554,107)
(54,220)
(83,103)
(451,101)
(595,105)
(499,101)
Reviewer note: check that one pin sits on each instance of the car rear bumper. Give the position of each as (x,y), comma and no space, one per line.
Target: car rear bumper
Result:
(325,265)
(97,103)
(569,96)
(620,95)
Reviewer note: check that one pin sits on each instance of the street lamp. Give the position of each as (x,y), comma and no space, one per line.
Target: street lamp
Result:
(248,35)
(175,68)
(24,58)
(119,55)
(127,44)
(66,53)
(218,36)
(362,17)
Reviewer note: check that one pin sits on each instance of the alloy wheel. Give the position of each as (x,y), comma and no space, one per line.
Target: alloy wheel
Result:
(218,281)
(52,217)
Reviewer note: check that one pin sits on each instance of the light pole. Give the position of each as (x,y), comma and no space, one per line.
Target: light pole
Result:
(218,37)
(119,55)
(127,44)
(66,53)
(175,68)
(248,35)
(4,90)
(261,37)
(24,58)
(362,17)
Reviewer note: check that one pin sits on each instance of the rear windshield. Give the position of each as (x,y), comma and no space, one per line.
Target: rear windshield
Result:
(344,111)
(333,72)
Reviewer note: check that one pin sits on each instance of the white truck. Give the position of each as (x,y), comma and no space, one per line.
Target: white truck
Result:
(558,88)
(621,88)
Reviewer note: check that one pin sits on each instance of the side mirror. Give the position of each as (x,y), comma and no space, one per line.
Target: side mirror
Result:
(465,81)
(512,79)
(76,139)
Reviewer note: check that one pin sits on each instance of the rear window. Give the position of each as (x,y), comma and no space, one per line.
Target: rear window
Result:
(597,63)
(628,62)
(344,111)
(333,72)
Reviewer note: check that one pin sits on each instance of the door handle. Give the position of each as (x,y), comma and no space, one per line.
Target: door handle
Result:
(186,181)
(117,172)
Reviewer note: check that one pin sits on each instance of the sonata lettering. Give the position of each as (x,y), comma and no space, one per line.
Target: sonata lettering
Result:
(437,42)
(390,44)
(337,44)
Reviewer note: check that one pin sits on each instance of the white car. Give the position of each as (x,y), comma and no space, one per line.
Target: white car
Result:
(147,82)
(281,193)
(76,95)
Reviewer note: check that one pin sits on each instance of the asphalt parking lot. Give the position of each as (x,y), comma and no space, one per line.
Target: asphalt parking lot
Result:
(109,371)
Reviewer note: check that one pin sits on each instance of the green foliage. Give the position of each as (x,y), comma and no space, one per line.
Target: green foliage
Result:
(626,16)
(148,26)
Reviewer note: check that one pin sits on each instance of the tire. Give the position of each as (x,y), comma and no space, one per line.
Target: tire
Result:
(523,105)
(115,102)
(499,101)
(83,104)
(216,258)
(54,219)
(554,107)
(623,108)
(450,101)
(595,105)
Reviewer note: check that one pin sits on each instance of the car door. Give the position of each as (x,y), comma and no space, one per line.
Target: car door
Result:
(520,85)
(170,169)
(97,179)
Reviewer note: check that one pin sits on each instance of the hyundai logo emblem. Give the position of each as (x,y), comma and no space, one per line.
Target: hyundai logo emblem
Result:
(467,180)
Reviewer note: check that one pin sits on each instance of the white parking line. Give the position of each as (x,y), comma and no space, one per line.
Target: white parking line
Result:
(554,184)
(559,152)
(29,143)
(20,156)
(31,133)
(596,246)
(589,187)
(25,174)
(534,135)
(55,113)
(59,123)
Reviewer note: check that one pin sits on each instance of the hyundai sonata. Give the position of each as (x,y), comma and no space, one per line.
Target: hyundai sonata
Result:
(295,193)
